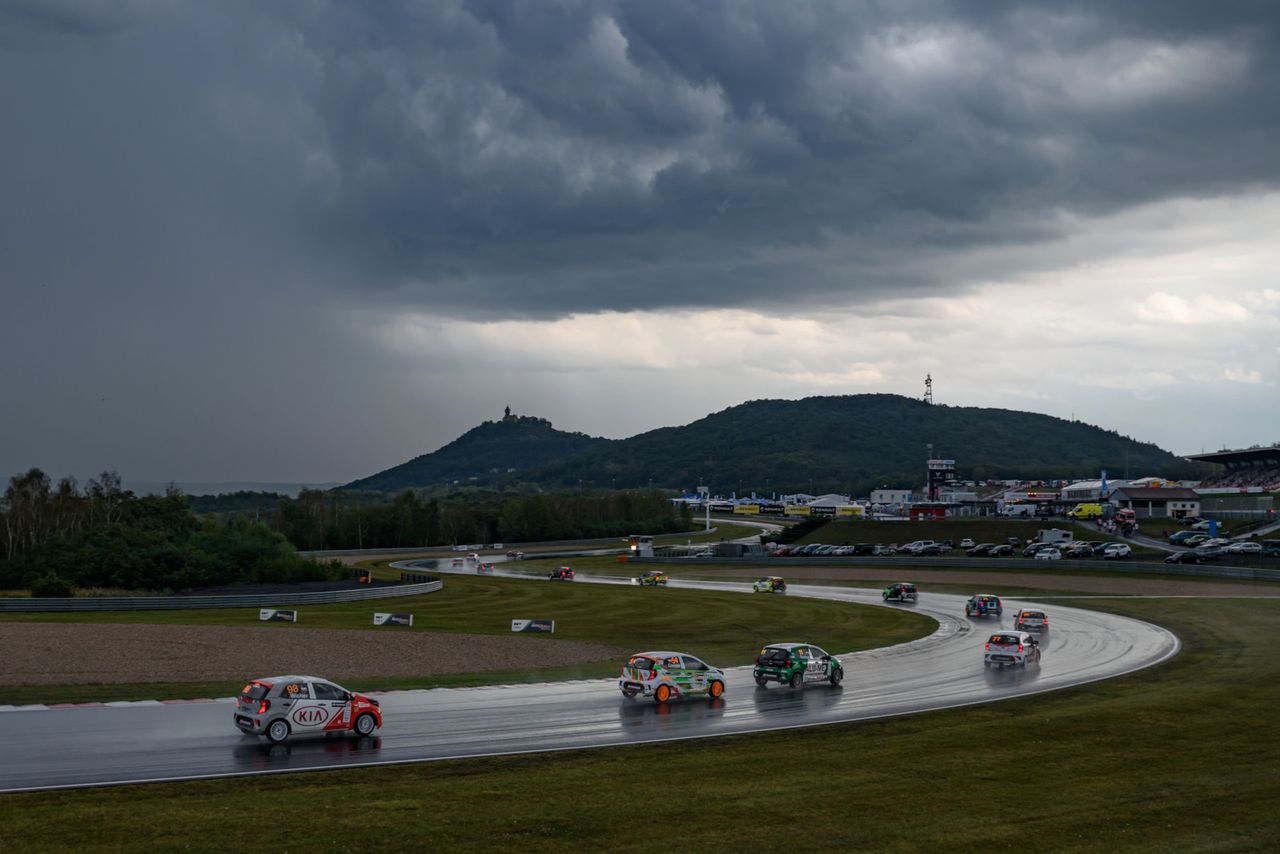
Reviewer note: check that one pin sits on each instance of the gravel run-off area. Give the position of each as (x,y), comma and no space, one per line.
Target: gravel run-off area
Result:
(81,653)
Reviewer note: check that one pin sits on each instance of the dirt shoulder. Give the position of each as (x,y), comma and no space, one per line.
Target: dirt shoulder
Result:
(70,653)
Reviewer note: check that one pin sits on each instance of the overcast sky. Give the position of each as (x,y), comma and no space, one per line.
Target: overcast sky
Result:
(307,241)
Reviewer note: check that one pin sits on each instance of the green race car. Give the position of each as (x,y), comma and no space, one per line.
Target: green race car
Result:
(769,584)
(795,664)
(653,578)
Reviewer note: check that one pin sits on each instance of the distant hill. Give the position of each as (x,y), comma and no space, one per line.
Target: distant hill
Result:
(858,442)
(818,444)
(494,451)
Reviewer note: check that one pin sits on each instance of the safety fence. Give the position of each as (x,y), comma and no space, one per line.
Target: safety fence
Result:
(184,603)
(1101,567)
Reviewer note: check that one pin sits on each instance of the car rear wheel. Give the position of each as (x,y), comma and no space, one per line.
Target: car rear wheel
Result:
(365,724)
(716,689)
(797,679)
(761,682)
(278,731)
(662,693)
(836,676)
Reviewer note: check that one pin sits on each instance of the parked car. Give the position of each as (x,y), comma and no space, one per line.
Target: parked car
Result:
(1011,648)
(1078,550)
(785,551)
(280,706)
(769,584)
(967,543)
(1188,556)
(1051,553)
(916,547)
(1244,549)
(903,591)
(668,675)
(1196,539)
(982,605)
(562,573)
(1116,551)
(1031,621)
(1202,525)
(1001,551)
(980,549)
(865,549)
(882,551)
(795,664)
(1271,548)
(1034,548)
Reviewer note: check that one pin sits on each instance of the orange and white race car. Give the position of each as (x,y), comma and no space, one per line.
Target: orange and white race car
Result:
(279,706)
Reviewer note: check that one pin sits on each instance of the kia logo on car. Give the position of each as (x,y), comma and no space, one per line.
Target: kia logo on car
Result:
(310,715)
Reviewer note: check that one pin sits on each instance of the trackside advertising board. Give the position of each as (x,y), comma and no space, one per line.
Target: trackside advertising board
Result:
(393,619)
(275,615)
(533,625)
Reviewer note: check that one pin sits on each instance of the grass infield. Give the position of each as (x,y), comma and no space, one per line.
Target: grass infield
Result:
(1183,757)
(725,628)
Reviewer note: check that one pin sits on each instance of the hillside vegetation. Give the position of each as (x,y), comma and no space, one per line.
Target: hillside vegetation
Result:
(495,450)
(818,444)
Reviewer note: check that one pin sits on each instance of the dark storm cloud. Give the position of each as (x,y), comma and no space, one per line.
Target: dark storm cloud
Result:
(542,158)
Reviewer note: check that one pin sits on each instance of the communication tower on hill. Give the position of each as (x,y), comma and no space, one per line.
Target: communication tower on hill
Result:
(928,388)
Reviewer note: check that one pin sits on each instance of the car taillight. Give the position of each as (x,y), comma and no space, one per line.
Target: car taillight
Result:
(757,659)
(263,706)
(1019,647)
(988,647)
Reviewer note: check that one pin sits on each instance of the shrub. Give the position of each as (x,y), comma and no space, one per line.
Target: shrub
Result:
(52,587)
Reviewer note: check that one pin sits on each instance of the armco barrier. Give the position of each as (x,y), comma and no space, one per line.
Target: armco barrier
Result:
(979,564)
(183,603)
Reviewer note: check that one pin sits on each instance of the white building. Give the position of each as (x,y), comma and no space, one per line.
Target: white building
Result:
(891,496)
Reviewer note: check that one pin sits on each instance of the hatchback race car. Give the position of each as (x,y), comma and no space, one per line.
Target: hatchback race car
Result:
(795,664)
(484,567)
(279,706)
(903,591)
(1031,621)
(982,604)
(769,584)
(1010,648)
(667,675)
(562,573)
(653,578)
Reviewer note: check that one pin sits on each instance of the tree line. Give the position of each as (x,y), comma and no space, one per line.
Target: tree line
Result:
(54,538)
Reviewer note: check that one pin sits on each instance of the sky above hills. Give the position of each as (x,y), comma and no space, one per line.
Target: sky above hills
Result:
(307,241)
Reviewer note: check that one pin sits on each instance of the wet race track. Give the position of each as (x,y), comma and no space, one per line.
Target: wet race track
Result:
(152,742)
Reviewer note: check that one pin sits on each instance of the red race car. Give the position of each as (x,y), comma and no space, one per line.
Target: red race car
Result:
(279,706)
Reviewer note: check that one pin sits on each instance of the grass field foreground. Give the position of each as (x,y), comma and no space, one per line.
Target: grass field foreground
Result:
(1183,757)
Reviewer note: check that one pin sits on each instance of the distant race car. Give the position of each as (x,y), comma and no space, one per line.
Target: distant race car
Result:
(562,573)
(515,555)
(795,664)
(653,578)
(983,604)
(769,584)
(667,675)
(902,591)
(1010,648)
(280,706)
(484,567)
(1031,621)
(457,561)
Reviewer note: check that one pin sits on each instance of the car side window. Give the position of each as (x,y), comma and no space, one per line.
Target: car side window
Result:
(295,691)
(692,663)
(816,653)
(802,652)
(325,691)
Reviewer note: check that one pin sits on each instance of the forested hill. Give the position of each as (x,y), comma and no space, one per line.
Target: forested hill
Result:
(858,442)
(495,450)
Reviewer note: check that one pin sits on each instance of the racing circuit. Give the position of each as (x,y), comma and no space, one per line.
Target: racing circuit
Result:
(127,743)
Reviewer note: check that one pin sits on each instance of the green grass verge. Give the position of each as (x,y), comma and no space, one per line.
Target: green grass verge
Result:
(1184,757)
(725,628)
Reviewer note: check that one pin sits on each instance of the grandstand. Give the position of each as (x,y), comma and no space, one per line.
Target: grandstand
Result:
(1249,468)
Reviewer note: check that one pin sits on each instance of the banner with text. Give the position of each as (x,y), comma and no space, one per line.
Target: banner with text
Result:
(275,615)
(393,619)
(533,625)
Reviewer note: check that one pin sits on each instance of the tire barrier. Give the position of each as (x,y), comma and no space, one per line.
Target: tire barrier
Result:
(428,584)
